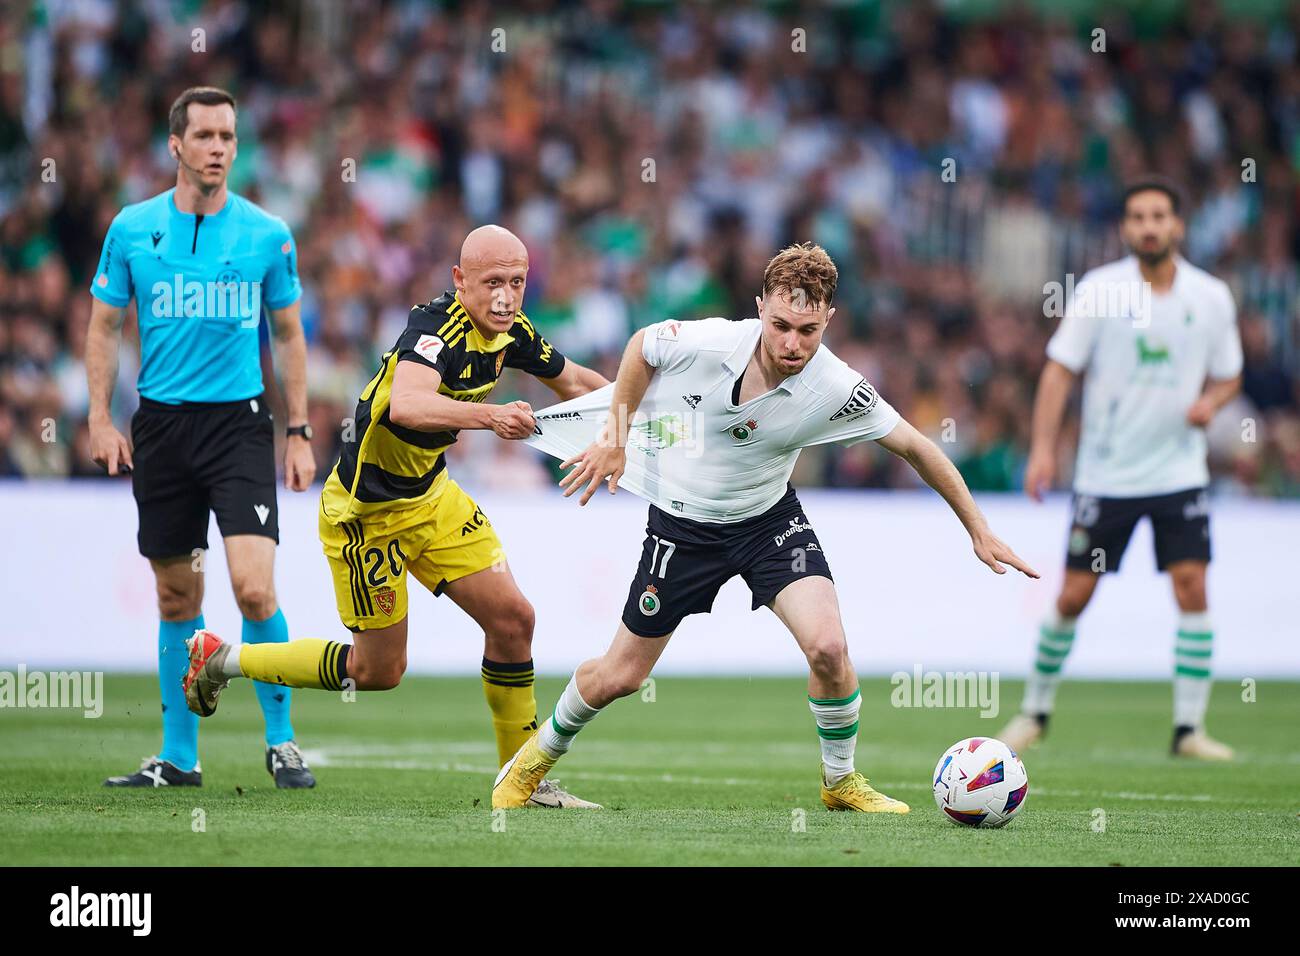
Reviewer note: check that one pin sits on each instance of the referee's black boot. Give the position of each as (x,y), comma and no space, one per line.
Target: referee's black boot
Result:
(158,773)
(285,763)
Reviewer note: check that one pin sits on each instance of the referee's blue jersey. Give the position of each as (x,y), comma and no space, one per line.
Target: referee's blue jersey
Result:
(200,282)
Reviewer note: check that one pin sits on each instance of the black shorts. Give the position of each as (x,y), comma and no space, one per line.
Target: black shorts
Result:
(684,563)
(1101,529)
(194,457)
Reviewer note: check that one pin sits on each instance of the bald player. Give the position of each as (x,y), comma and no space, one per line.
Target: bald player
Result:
(389,504)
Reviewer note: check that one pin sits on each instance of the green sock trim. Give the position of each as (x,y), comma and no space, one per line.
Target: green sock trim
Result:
(562,731)
(835,701)
(1048,651)
(1046,668)
(1190,653)
(1183,670)
(1197,635)
(838,733)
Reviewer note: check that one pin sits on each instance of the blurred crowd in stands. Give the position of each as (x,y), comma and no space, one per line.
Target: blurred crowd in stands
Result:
(653,156)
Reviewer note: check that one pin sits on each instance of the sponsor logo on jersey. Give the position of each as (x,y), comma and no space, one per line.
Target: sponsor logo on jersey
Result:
(157,238)
(797,526)
(649,602)
(862,400)
(557,416)
(477,520)
(501,360)
(428,347)
(1197,508)
(386,598)
(662,432)
(692,400)
(1151,353)
(467,371)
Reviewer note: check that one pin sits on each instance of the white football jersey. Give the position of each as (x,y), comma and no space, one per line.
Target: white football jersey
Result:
(1146,359)
(691,452)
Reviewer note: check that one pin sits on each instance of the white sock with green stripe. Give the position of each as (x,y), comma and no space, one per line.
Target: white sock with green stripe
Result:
(1192,683)
(1055,638)
(572,713)
(837,726)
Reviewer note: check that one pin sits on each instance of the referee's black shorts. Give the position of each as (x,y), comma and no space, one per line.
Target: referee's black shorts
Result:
(198,456)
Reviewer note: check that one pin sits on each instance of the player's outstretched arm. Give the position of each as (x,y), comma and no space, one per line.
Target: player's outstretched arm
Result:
(415,403)
(1049,405)
(108,446)
(574,380)
(606,458)
(941,474)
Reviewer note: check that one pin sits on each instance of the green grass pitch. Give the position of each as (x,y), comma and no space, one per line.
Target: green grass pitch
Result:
(713,771)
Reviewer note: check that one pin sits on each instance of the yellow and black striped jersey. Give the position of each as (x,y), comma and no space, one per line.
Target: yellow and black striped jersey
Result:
(385,467)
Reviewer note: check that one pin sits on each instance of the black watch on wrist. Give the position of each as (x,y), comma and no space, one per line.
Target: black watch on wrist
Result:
(303,430)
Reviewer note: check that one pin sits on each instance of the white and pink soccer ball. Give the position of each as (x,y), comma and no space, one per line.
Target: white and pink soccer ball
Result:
(980,782)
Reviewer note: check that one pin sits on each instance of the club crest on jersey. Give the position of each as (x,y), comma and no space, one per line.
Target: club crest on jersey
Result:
(386,598)
(428,347)
(692,400)
(862,400)
(649,603)
(743,432)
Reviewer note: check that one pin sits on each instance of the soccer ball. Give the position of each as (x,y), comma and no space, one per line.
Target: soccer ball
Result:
(980,782)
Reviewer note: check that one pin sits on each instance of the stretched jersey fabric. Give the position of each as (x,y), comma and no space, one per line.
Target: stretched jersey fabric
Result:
(691,451)
(384,466)
(199,282)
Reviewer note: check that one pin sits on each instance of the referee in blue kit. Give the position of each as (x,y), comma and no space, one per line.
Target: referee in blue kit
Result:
(201,263)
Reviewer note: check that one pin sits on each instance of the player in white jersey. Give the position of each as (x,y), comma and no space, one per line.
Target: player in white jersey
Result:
(727,406)
(1157,338)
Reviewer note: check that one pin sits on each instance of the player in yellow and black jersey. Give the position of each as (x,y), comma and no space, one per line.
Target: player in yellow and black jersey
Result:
(385,465)
(389,505)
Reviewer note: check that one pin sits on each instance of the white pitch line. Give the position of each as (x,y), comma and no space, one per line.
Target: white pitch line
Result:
(323,758)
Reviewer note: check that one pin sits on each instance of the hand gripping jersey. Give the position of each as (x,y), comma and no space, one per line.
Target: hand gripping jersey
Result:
(694,453)
(384,466)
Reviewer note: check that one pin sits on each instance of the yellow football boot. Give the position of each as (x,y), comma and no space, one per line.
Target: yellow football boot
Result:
(854,793)
(521,775)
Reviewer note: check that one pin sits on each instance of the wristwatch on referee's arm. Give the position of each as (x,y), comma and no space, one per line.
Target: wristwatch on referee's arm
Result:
(303,430)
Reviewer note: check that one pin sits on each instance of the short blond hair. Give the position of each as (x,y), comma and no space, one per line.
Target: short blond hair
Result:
(804,267)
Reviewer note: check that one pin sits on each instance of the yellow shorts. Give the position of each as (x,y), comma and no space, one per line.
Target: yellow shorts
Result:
(440,540)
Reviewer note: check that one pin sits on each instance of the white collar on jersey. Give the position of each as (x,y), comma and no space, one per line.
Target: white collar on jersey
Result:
(738,360)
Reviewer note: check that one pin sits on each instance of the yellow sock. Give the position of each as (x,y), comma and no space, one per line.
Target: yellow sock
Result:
(307,662)
(509,692)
